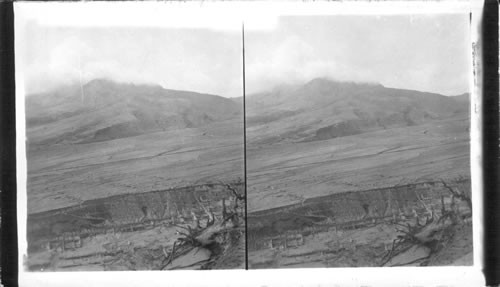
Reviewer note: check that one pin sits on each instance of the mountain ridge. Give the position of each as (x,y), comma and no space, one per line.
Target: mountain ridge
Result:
(323,108)
(103,110)
(319,109)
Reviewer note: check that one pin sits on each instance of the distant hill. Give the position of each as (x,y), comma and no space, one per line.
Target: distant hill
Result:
(104,110)
(323,108)
(465,97)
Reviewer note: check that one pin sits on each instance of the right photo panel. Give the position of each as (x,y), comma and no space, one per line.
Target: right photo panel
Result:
(358,141)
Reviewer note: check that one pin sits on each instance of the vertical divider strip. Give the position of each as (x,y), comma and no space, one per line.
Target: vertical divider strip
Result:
(245,145)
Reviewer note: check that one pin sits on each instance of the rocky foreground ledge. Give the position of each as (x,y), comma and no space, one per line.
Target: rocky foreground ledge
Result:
(427,223)
(194,227)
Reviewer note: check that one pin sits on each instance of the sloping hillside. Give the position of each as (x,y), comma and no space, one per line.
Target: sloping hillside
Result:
(323,109)
(104,110)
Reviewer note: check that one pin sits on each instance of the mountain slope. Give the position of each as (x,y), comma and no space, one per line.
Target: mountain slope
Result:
(324,108)
(104,110)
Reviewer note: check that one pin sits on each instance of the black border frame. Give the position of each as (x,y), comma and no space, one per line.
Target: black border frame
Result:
(490,145)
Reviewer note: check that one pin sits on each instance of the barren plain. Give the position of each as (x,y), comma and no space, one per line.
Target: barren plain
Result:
(134,177)
(346,175)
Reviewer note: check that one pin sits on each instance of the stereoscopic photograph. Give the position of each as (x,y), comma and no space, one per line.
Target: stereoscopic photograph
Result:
(192,139)
(358,149)
(134,148)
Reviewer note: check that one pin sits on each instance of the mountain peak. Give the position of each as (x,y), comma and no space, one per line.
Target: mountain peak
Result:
(100,83)
(103,109)
(321,81)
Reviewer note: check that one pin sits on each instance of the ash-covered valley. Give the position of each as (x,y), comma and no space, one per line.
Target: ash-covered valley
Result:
(134,177)
(339,174)
(344,174)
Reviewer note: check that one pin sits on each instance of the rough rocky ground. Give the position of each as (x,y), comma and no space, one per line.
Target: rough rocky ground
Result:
(287,165)
(364,247)
(142,250)
(65,175)
(71,174)
(288,173)
(288,169)
(195,227)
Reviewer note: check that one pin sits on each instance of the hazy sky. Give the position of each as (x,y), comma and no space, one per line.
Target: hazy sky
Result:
(200,60)
(427,53)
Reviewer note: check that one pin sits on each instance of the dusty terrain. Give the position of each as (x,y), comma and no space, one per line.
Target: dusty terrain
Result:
(427,223)
(286,173)
(366,247)
(107,138)
(336,173)
(194,227)
(118,173)
(63,175)
(373,147)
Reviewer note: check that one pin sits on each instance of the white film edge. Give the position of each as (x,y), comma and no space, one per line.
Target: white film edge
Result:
(352,160)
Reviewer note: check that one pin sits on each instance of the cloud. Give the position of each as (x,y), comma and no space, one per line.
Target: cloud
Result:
(61,65)
(393,51)
(74,61)
(283,64)
(410,52)
(195,60)
(67,58)
(295,61)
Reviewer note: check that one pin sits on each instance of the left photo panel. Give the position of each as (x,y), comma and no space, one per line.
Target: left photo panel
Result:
(134,144)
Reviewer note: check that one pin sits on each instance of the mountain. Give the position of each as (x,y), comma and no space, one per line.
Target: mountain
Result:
(465,97)
(323,108)
(104,110)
